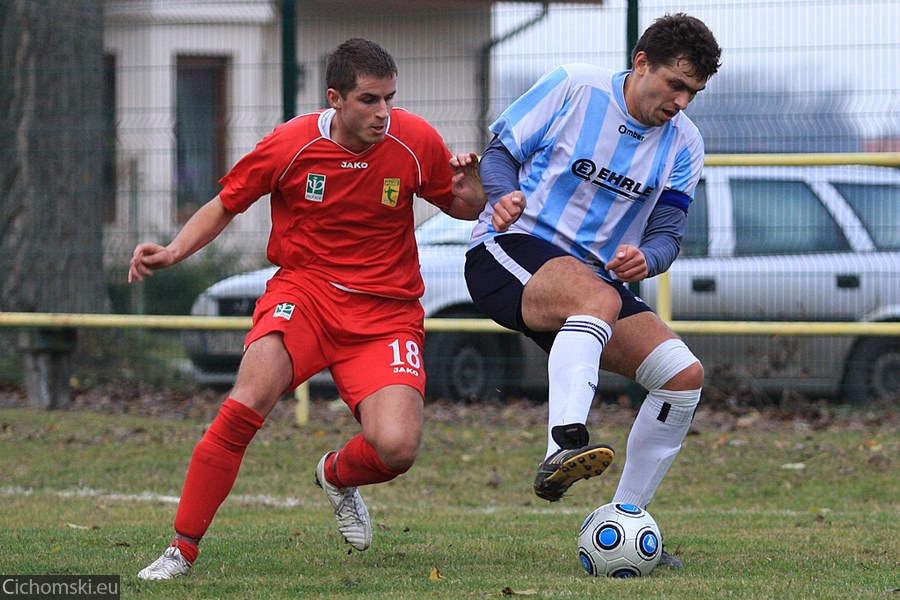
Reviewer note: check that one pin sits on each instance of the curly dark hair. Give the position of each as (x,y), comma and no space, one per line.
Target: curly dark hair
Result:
(357,57)
(680,36)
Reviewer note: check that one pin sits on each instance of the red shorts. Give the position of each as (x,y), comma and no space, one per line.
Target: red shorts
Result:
(367,342)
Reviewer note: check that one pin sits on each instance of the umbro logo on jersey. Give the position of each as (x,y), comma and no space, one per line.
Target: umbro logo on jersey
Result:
(354,165)
(625,131)
(625,187)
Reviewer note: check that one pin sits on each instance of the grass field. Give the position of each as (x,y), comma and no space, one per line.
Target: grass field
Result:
(754,512)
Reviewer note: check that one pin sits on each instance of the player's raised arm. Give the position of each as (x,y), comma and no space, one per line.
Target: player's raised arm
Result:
(202,228)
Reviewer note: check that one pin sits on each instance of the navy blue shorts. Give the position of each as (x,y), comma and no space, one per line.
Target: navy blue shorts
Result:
(497,275)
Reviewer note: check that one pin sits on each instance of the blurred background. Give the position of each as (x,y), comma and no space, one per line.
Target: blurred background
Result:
(120,116)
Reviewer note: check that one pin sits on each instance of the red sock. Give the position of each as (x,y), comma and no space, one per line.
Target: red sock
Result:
(214,467)
(188,550)
(358,464)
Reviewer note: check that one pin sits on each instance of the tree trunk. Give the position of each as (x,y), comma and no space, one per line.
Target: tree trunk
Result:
(51,144)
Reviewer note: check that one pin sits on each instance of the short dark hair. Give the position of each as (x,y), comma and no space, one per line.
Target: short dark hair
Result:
(357,57)
(680,36)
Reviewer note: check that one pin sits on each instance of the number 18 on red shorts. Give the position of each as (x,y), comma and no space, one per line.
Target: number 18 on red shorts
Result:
(368,342)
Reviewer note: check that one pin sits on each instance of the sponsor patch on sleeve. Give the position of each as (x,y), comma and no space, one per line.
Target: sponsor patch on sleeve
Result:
(284,310)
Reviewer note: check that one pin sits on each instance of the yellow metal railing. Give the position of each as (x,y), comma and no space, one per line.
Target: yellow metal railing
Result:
(883,159)
(96,321)
(663,309)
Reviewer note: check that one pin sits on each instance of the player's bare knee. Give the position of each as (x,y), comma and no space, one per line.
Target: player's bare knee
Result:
(258,400)
(605,304)
(399,454)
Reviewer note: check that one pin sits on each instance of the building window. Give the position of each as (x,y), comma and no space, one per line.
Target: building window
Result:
(109,139)
(199,130)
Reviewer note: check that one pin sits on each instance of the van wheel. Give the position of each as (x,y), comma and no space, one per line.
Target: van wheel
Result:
(872,371)
(467,366)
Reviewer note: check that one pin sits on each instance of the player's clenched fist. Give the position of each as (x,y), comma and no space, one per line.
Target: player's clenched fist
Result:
(507,210)
(629,264)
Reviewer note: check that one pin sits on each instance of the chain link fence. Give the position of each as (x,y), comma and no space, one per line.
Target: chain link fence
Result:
(189,87)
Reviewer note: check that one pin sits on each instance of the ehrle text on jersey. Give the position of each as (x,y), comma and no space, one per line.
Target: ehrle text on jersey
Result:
(628,188)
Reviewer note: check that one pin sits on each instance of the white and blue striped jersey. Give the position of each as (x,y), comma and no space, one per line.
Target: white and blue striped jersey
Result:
(591,174)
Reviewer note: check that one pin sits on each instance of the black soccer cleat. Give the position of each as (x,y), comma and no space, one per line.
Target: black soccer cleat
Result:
(574,460)
(669,560)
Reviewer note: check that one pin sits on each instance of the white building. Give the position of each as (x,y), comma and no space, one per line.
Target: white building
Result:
(197,84)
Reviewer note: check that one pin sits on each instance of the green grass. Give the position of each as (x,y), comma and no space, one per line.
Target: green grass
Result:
(85,493)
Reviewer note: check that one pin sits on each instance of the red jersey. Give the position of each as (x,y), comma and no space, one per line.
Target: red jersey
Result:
(346,217)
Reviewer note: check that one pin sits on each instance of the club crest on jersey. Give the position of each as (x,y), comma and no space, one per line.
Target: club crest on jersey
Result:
(284,310)
(315,187)
(390,193)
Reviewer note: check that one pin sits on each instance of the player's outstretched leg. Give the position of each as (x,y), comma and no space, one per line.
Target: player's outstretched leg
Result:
(575,460)
(168,566)
(350,511)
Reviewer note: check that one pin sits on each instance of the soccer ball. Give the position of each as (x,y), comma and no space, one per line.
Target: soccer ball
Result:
(619,540)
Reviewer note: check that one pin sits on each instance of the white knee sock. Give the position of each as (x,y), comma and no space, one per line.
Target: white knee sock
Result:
(573,369)
(655,439)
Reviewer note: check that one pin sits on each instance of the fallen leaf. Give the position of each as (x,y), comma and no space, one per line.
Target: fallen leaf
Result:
(819,510)
(874,446)
(435,574)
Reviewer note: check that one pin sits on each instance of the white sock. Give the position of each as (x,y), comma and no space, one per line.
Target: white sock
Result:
(573,369)
(654,442)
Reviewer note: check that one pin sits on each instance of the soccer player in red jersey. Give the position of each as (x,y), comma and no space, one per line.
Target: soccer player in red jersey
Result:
(346,296)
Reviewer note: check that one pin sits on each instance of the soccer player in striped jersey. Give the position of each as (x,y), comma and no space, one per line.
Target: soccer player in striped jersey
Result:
(341,183)
(589,180)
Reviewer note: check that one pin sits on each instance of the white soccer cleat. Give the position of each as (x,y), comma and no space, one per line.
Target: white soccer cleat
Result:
(350,511)
(168,566)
